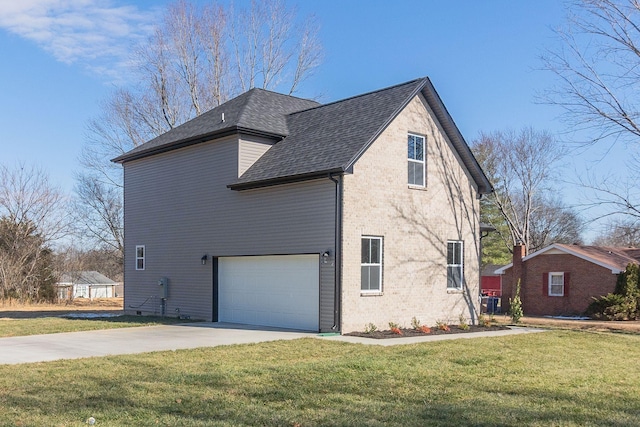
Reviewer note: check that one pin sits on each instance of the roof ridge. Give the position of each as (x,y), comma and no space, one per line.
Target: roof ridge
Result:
(254,90)
(607,247)
(360,95)
(244,104)
(280,93)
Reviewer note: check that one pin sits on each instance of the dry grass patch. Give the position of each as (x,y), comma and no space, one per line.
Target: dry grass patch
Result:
(54,325)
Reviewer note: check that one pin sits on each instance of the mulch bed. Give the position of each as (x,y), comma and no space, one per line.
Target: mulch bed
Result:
(453,329)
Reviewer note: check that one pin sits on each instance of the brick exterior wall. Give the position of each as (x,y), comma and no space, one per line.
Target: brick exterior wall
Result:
(415,225)
(586,280)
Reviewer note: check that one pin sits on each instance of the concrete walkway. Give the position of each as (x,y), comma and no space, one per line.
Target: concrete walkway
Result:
(75,345)
(429,338)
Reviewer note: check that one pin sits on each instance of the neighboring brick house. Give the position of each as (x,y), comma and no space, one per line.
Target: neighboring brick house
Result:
(563,279)
(279,211)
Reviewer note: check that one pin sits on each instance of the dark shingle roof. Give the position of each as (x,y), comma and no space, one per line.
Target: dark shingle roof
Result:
(257,110)
(329,137)
(316,139)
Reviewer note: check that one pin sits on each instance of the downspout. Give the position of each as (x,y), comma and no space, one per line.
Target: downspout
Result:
(337,271)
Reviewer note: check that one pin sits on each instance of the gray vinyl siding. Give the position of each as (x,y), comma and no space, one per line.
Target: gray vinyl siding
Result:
(178,206)
(250,149)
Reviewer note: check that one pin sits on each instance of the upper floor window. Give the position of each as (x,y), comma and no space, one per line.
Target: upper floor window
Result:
(371,264)
(140,257)
(455,271)
(416,160)
(556,284)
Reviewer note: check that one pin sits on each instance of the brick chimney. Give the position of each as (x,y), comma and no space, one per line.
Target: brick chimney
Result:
(509,281)
(519,252)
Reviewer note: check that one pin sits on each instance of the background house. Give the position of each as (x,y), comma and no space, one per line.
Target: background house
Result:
(563,279)
(279,211)
(86,284)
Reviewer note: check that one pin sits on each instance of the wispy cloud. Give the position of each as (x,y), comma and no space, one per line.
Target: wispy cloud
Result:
(97,34)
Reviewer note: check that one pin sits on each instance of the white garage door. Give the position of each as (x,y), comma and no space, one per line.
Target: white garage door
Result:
(281,291)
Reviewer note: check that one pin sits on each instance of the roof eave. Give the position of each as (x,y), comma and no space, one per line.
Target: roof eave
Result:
(270,182)
(221,133)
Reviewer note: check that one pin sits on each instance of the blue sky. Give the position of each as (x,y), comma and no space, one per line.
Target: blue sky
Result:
(61,58)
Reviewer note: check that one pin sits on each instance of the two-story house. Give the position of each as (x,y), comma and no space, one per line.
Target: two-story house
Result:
(279,211)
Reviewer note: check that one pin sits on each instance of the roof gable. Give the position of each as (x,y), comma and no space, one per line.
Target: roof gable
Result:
(611,258)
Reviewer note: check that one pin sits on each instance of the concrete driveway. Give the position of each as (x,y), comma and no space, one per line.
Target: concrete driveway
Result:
(75,345)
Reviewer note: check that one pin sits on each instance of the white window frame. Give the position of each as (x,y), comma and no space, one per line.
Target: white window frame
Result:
(372,264)
(550,283)
(141,258)
(412,160)
(459,265)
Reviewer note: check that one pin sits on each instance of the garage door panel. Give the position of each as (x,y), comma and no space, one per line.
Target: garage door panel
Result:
(281,291)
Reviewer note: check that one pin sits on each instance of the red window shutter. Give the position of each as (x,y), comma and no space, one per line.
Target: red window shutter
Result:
(566,284)
(545,284)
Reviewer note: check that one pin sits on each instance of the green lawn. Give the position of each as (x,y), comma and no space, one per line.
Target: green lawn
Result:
(52,325)
(559,378)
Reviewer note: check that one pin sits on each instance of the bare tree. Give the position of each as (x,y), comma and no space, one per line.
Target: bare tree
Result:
(196,59)
(98,213)
(597,69)
(625,233)
(553,222)
(72,260)
(32,217)
(266,43)
(27,197)
(598,74)
(521,166)
(610,197)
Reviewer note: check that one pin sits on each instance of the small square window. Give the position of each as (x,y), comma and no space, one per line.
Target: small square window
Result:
(140,257)
(371,265)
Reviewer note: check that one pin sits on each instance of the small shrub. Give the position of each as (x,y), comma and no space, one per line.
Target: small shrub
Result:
(462,323)
(415,323)
(624,303)
(395,328)
(425,329)
(610,307)
(442,326)
(370,328)
(515,305)
(485,321)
